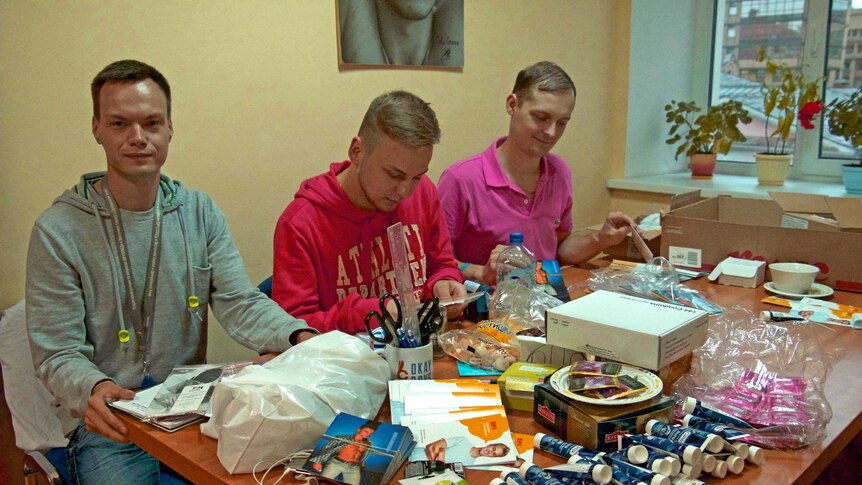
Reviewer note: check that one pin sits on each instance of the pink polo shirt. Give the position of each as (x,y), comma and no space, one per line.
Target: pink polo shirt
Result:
(482,206)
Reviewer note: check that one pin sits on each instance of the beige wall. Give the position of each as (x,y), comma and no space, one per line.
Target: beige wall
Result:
(259,103)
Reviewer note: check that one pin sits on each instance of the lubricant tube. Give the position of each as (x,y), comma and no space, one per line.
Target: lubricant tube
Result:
(701,410)
(583,470)
(635,471)
(537,476)
(689,454)
(767,315)
(729,433)
(692,471)
(675,464)
(655,463)
(511,477)
(705,441)
(620,478)
(562,448)
(707,463)
(740,449)
(496,481)
(683,480)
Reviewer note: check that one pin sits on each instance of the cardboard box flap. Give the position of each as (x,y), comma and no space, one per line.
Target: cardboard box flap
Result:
(684,199)
(802,203)
(740,267)
(847,211)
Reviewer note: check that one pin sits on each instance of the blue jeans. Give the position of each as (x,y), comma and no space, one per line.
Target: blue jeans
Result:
(95,460)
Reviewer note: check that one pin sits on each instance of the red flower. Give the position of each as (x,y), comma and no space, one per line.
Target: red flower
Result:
(808,113)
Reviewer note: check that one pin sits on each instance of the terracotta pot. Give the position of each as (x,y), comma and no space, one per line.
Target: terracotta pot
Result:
(702,165)
(772,169)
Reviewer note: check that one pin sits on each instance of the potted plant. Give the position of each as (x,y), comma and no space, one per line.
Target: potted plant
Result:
(703,137)
(845,120)
(791,98)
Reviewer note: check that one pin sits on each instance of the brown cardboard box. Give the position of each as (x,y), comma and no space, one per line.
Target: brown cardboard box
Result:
(819,230)
(593,426)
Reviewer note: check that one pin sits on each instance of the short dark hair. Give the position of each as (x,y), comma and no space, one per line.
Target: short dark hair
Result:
(543,76)
(370,424)
(127,70)
(402,116)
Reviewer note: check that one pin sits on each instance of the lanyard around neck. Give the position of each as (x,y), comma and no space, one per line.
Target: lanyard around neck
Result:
(143,312)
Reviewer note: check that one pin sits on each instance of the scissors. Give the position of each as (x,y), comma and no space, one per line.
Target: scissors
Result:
(430,319)
(387,323)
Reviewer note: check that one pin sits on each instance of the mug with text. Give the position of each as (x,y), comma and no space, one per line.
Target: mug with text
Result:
(410,363)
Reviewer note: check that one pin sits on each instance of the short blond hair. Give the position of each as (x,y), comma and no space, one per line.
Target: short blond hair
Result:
(543,76)
(403,117)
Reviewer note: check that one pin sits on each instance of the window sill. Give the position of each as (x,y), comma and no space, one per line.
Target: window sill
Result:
(722,184)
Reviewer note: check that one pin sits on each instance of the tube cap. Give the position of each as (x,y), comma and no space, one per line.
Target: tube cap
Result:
(741,449)
(756,455)
(663,467)
(524,467)
(637,454)
(692,455)
(676,464)
(713,443)
(538,439)
(659,480)
(496,481)
(720,469)
(707,463)
(692,471)
(689,405)
(735,464)
(602,474)
(650,424)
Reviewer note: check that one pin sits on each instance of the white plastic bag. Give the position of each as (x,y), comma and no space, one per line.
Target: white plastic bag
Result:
(268,412)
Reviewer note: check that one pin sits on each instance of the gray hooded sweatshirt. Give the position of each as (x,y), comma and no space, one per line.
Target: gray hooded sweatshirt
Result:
(75,292)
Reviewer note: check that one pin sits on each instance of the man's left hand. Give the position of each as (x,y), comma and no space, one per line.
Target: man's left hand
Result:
(615,228)
(450,290)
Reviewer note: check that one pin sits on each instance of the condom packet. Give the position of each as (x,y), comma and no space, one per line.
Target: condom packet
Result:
(586,383)
(589,368)
(629,386)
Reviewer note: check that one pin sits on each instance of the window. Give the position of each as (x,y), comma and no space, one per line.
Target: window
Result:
(815,37)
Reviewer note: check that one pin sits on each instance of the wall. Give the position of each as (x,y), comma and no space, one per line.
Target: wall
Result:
(259,102)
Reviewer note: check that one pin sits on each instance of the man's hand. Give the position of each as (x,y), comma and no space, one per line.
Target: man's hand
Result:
(100,419)
(450,290)
(489,271)
(436,450)
(615,228)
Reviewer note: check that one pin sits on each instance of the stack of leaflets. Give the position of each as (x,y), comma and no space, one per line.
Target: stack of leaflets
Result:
(182,399)
(359,451)
(454,421)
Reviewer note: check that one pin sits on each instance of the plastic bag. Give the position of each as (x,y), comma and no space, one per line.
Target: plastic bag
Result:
(268,412)
(770,374)
(491,345)
(523,305)
(655,280)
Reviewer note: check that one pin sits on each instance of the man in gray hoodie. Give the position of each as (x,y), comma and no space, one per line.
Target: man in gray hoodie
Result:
(120,272)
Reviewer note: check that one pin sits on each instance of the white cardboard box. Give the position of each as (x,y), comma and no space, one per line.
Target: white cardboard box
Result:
(739,272)
(646,333)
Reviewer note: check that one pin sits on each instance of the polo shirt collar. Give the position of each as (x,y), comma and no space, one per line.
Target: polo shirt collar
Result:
(494,174)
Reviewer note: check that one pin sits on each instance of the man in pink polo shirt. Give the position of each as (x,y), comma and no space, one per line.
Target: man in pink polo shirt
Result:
(516,184)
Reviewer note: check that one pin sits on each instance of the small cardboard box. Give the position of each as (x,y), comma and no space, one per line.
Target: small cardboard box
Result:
(593,426)
(646,333)
(813,229)
(516,384)
(739,272)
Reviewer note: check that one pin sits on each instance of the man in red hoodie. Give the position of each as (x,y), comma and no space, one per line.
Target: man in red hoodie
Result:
(331,259)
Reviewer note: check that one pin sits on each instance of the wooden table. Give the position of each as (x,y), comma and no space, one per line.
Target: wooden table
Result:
(194,455)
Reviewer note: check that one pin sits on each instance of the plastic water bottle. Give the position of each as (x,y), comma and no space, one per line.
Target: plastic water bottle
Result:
(516,262)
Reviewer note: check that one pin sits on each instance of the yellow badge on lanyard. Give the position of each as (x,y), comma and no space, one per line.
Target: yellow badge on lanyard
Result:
(123,335)
(193,302)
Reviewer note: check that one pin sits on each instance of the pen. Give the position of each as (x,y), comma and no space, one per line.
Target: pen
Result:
(411,340)
(402,338)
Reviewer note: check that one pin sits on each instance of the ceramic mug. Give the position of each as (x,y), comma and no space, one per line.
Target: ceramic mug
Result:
(410,363)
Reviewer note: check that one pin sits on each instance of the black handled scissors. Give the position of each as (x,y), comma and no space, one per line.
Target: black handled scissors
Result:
(387,323)
(430,319)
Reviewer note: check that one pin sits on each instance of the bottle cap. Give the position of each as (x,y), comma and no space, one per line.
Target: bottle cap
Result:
(707,463)
(735,464)
(637,454)
(602,474)
(516,238)
(720,469)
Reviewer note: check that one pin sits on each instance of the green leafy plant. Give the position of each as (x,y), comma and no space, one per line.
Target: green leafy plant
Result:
(845,119)
(712,132)
(793,97)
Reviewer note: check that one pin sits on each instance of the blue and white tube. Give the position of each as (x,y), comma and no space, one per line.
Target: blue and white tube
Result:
(583,470)
(688,453)
(537,476)
(690,436)
(701,410)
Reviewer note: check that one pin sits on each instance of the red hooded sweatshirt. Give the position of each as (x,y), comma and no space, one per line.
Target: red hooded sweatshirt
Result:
(332,260)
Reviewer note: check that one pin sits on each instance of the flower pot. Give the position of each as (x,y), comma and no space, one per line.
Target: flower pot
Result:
(772,169)
(852,178)
(702,165)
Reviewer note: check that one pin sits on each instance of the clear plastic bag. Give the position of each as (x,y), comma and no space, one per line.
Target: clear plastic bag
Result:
(655,280)
(522,305)
(491,345)
(770,374)
(267,412)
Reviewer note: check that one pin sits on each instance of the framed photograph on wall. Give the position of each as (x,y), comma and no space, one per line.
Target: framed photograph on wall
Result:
(421,33)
